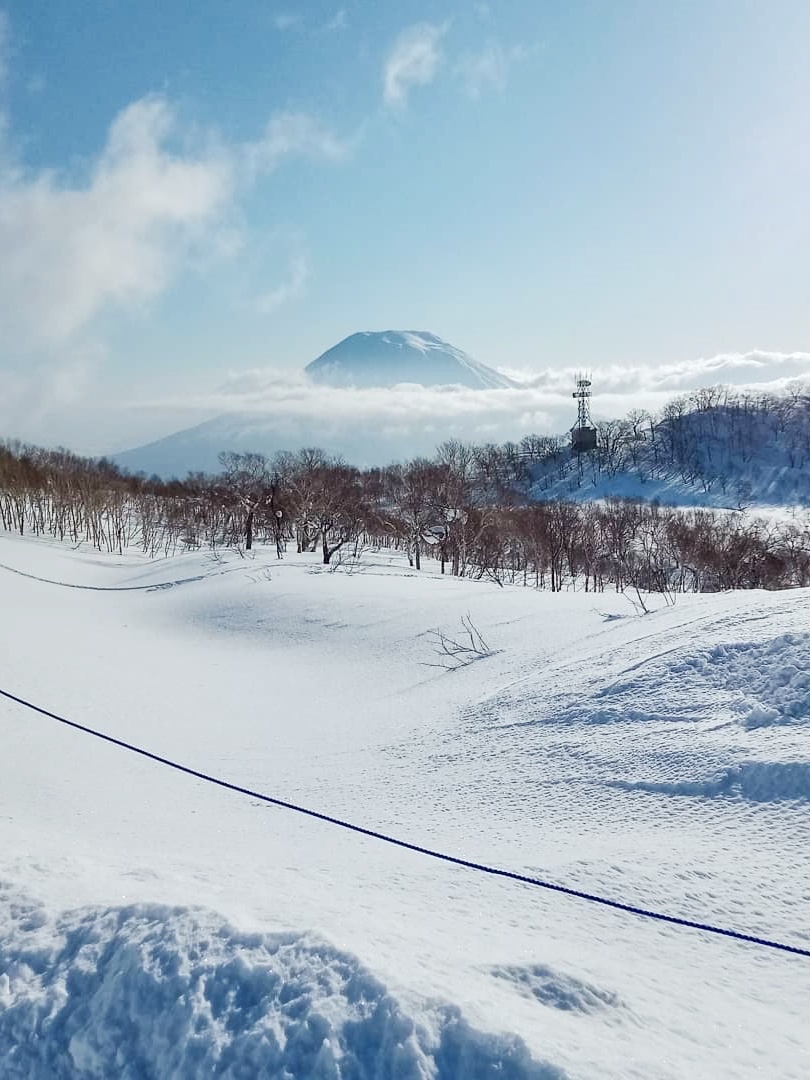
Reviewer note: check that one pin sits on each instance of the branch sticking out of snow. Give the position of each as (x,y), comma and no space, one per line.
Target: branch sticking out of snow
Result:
(455,652)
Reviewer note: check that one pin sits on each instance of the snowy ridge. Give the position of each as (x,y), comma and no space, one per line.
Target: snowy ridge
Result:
(149,990)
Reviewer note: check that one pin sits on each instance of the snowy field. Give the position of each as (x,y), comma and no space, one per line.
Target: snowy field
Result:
(152,925)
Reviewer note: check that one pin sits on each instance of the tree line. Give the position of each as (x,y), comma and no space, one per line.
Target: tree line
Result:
(466,508)
(743,446)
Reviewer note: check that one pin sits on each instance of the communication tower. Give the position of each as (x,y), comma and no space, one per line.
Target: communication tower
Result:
(583,433)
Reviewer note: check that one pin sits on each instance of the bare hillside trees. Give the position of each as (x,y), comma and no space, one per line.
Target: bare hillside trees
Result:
(476,511)
(742,445)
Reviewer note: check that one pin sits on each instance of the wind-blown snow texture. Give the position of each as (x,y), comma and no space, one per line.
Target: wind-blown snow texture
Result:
(151,925)
(388,357)
(156,991)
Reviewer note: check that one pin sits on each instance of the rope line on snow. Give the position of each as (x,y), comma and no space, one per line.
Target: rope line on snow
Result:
(468,864)
(157,587)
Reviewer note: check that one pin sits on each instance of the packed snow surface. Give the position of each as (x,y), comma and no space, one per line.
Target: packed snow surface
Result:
(152,925)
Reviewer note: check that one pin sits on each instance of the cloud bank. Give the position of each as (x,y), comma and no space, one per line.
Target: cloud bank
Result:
(263,411)
(266,410)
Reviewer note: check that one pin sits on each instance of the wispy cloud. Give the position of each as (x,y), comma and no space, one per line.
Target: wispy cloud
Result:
(488,69)
(287,21)
(148,209)
(485,70)
(413,61)
(34,399)
(339,21)
(292,134)
(291,289)
(69,250)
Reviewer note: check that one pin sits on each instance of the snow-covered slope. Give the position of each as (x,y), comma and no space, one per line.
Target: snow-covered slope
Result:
(388,357)
(742,451)
(153,925)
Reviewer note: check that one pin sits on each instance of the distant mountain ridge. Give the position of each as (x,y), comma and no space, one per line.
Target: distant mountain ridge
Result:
(387,358)
(197,449)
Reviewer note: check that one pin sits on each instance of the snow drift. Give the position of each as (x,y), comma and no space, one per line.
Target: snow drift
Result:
(149,990)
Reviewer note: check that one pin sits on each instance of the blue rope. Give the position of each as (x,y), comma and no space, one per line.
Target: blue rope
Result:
(454,860)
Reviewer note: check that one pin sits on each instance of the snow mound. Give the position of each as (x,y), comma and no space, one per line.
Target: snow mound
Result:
(756,781)
(151,990)
(556,989)
(750,683)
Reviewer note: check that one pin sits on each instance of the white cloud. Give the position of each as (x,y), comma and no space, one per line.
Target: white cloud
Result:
(618,389)
(339,21)
(543,405)
(293,134)
(488,69)
(289,411)
(292,289)
(485,70)
(34,398)
(149,206)
(156,201)
(413,61)
(69,250)
(748,369)
(153,202)
(286,21)
(401,421)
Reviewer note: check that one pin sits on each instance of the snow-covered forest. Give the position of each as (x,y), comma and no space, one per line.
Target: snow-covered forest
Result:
(529,513)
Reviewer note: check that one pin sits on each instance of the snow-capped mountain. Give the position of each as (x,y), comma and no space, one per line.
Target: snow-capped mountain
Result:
(389,357)
(363,444)
(363,361)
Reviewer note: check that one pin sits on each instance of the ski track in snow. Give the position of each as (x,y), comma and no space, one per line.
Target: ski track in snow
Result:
(119,588)
(660,760)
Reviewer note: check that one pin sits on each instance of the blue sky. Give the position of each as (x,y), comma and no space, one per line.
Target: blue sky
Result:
(191,190)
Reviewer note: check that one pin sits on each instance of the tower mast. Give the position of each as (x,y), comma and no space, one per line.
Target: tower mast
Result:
(583,433)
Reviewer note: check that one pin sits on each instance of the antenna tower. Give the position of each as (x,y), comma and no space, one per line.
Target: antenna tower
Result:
(583,434)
